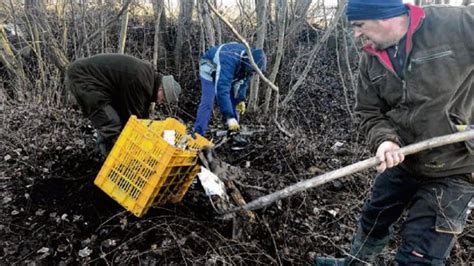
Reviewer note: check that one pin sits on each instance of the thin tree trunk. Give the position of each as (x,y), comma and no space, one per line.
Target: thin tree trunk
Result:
(76,37)
(103,35)
(184,21)
(282,6)
(13,66)
(217,25)
(123,29)
(84,28)
(33,10)
(261,10)
(209,29)
(341,75)
(158,8)
(202,32)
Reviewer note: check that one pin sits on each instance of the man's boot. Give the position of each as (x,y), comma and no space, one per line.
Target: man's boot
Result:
(364,251)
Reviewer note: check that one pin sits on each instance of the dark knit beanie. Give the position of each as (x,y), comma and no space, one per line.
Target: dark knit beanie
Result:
(374,9)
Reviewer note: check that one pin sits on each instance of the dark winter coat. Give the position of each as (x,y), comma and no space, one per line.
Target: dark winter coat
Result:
(436,94)
(126,83)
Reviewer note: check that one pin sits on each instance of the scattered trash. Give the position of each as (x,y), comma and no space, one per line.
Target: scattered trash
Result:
(211,183)
(85,252)
(43,250)
(334,212)
(7,158)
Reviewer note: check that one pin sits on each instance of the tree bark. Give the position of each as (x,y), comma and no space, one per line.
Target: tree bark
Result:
(84,27)
(33,11)
(298,16)
(184,22)
(261,10)
(158,8)
(217,25)
(103,35)
(123,28)
(281,6)
(209,29)
(13,66)
(353,168)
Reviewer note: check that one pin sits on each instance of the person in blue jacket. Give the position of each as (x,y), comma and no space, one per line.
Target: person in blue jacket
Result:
(225,72)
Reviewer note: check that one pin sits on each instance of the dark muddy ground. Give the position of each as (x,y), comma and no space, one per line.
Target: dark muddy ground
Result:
(53,214)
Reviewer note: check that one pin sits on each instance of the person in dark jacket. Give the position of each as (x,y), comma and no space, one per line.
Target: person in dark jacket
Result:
(416,82)
(112,87)
(225,72)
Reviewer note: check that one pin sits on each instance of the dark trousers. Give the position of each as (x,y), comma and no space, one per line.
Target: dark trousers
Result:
(206,105)
(108,124)
(204,112)
(437,212)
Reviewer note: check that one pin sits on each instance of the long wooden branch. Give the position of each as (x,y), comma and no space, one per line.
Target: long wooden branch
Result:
(353,168)
(247,47)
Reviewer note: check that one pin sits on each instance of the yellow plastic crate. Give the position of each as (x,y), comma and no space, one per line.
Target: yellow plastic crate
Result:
(142,169)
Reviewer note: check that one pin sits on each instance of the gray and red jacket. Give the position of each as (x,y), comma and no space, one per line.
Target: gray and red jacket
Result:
(436,95)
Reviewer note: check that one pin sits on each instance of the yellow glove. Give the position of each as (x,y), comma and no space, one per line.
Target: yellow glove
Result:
(233,125)
(240,108)
(461,128)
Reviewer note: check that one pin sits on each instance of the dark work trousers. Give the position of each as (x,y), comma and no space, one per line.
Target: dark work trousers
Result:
(437,212)
(108,124)
(206,106)
(204,112)
(102,115)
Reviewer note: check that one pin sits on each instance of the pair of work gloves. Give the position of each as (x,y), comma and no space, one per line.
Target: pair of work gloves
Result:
(232,123)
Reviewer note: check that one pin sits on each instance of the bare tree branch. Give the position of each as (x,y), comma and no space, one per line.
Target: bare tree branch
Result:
(315,51)
(107,24)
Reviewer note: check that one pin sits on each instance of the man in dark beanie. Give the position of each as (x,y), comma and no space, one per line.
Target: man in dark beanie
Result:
(112,87)
(415,82)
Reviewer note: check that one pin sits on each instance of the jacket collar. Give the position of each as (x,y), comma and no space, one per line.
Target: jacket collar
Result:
(417,14)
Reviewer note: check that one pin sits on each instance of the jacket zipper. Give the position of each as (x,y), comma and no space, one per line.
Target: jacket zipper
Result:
(432,57)
(408,64)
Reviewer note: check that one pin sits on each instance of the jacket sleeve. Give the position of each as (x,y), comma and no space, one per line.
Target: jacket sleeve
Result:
(225,70)
(369,110)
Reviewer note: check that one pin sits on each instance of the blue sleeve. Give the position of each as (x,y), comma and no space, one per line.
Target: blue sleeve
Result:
(224,75)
